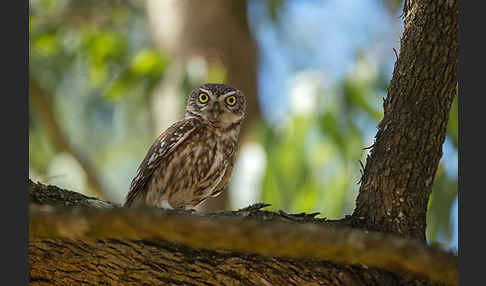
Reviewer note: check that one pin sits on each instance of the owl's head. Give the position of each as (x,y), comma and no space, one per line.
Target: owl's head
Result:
(218,104)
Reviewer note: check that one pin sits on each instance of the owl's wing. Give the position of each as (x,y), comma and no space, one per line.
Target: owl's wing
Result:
(164,145)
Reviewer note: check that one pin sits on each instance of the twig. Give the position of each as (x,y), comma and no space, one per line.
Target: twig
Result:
(396,54)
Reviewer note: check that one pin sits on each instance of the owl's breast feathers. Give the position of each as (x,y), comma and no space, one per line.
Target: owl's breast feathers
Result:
(187,163)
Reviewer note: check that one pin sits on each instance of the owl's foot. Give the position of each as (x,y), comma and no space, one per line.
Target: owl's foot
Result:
(182,207)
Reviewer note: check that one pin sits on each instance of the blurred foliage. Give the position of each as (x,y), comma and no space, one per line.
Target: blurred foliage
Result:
(314,161)
(98,67)
(439,221)
(98,71)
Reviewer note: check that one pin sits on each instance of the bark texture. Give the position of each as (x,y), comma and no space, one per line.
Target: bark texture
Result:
(399,173)
(124,262)
(248,247)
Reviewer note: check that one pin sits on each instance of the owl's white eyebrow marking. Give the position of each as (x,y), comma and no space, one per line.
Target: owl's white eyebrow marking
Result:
(206,91)
(229,93)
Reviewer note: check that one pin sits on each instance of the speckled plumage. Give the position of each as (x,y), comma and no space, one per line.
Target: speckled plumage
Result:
(193,159)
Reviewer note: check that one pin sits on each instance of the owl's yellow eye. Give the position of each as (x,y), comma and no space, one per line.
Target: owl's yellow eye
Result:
(203,98)
(231,100)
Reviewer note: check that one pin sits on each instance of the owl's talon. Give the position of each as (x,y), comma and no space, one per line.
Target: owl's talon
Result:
(182,207)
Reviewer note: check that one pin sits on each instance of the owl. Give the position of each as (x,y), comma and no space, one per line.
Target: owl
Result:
(192,160)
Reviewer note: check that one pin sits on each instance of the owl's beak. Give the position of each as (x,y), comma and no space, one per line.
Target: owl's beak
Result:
(216,111)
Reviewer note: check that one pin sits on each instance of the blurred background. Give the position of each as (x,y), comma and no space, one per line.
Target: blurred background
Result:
(107,77)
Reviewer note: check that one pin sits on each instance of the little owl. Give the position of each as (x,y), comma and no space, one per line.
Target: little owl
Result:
(192,160)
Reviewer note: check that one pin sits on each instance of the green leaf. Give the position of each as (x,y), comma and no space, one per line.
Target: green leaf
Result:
(148,61)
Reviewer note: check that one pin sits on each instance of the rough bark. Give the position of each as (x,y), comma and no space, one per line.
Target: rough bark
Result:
(400,170)
(98,245)
(116,262)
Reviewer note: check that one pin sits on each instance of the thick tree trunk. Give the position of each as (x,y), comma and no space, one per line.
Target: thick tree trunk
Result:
(399,173)
(116,246)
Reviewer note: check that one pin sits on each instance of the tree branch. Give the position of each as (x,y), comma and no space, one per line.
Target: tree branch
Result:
(249,231)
